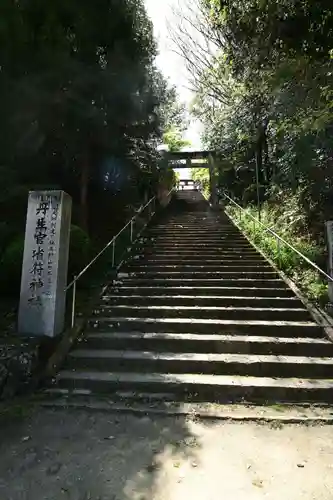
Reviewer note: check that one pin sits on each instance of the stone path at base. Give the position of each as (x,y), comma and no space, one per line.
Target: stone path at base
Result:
(78,455)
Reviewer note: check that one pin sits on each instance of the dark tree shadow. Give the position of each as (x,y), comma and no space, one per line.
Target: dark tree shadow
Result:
(77,454)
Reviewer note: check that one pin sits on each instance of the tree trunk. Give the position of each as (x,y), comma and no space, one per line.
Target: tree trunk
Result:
(84,182)
(266,155)
(259,161)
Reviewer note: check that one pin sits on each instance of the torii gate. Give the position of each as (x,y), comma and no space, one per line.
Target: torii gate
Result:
(210,163)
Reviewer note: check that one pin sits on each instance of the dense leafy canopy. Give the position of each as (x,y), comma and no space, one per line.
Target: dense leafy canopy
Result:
(266,98)
(82,105)
(83,109)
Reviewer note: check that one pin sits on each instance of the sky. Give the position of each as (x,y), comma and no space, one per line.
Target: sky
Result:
(172,65)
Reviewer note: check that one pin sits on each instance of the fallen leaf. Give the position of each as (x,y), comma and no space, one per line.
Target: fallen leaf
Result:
(257,483)
(152,467)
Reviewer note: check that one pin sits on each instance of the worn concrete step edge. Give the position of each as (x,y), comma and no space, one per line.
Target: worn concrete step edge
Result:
(181,325)
(198,312)
(202,282)
(208,343)
(205,337)
(199,300)
(201,308)
(246,359)
(244,255)
(227,274)
(282,414)
(145,261)
(135,266)
(195,379)
(222,322)
(288,300)
(279,293)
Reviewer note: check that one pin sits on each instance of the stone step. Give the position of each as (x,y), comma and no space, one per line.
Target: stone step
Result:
(188,230)
(205,312)
(229,274)
(198,221)
(222,291)
(199,282)
(168,404)
(202,300)
(187,234)
(134,267)
(200,240)
(209,343)
(213,229)
(196,225)
(174,254)
(162,261)
(188,257)
(201,227)
(218,246)
(209,363)
(204,249)
(197,313)
(201,387)
(211,326)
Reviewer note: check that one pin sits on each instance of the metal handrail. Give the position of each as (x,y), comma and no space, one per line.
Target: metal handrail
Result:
(279,238)
(73,283)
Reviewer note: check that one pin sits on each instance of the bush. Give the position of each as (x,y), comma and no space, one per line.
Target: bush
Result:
(11,267)
(6,236)
(80,249)
(288,261)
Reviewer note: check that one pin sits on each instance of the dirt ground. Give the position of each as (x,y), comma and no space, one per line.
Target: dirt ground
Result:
(79,455)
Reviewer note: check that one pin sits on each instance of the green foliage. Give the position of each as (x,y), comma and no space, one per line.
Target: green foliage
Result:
(201,175)
(6,235)
(168,178)
(174,140)
(265,97)
(80,251)
(286,226)
(11,267)
(78,85)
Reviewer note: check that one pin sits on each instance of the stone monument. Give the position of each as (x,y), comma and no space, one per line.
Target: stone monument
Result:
(45,262)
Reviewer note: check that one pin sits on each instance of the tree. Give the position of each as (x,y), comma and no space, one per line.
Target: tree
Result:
(265,96)
(172,137)
(78,84)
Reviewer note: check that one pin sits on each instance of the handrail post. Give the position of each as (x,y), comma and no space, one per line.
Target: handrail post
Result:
(132,231)
(113,252)
(73,303)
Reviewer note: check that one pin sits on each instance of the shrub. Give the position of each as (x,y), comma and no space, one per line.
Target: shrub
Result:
(288,261)
(11,267)
(79,251)
(6,236)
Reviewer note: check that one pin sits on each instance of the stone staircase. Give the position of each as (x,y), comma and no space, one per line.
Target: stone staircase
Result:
(199,315)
